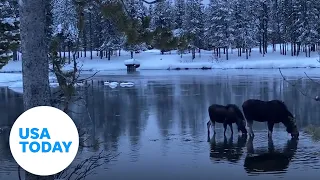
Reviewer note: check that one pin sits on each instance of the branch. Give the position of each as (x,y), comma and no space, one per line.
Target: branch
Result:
(316,82)
(86,167)
(302,92)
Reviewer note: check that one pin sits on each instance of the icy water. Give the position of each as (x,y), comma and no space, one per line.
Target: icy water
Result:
(159,128)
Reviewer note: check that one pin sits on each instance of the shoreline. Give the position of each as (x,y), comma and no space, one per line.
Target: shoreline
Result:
(14,82)
(178,69)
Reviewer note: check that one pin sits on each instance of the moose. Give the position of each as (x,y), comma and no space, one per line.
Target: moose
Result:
(227,115)
(272,112)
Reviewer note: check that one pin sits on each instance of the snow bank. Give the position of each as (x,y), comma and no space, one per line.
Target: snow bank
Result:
(14,81)
(18,86)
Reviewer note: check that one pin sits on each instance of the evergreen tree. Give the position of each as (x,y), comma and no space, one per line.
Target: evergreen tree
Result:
(262,14)
(193,24)
(163,22)
(246,26)
(179,13)
(136,33)
(220,24)
(308,23)
(65,19)
(274,23)
(9,31)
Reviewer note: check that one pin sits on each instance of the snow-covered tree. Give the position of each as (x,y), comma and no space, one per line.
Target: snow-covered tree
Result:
(163,24)
(9,31)
(193,23)
(179,13)
(65,19)
(274,24)
(136,32)
(163,15)
(220,24)
(308,23)
(246,25)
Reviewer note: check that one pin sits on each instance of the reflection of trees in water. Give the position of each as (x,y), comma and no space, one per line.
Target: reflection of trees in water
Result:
(134,109)
(270,159)
(118,112)
(11,106)
(164,101)
(192,105)
(4,145)
(227,149)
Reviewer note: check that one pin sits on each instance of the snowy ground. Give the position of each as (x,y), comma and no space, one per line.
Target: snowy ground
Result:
(14,81)
(153,60)
(10,75)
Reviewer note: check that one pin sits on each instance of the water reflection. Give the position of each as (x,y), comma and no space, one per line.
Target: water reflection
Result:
(11,107)
(160,124)
(227,149)
(270,159)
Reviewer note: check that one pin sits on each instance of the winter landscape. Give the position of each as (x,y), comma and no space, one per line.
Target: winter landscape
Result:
(150,121)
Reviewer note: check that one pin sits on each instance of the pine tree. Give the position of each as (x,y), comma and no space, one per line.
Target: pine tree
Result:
(193,24)
(246,26)
(136,33)
(220,25)
(179,13)
(65,19)
(163,22)
(274,23)
(9,32)
(262,9)
(308,20)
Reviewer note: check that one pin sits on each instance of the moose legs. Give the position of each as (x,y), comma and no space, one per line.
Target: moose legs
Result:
(225,126)
(209,124)
(249,124)
(270,128)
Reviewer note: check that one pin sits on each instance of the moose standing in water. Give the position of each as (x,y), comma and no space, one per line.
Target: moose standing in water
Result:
(272,112)
(227,115)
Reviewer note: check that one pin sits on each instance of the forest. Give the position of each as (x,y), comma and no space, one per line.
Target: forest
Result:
(109,26)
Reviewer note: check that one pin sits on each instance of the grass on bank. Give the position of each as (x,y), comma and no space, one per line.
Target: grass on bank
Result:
(313,131)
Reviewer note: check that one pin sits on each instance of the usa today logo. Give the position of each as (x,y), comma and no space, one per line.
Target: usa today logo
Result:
(44,140)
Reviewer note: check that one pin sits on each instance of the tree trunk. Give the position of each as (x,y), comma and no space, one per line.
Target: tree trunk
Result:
(35,74)
(227,53)
(15,55)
